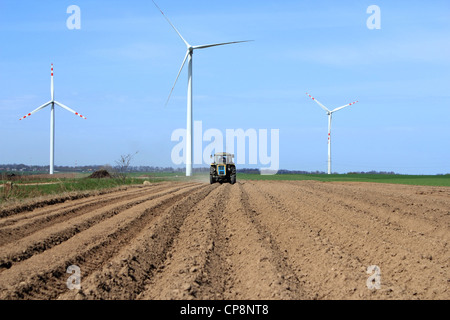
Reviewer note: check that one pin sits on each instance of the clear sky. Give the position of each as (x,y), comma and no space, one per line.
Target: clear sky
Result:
(119,67)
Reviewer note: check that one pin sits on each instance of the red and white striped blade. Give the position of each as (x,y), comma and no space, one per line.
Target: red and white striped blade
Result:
(52,90)
(352,103)
(68,109)
(321,105)
(36,110)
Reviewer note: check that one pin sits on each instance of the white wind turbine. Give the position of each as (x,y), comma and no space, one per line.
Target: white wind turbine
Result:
(329,113)
(189,54)
(52,120)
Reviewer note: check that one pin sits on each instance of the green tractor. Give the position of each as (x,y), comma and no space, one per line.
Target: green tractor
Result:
(223,168)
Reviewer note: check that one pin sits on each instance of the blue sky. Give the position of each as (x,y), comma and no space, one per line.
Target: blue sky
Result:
(118,70)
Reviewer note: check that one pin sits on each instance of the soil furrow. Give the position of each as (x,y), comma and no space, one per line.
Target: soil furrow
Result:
(72,204)
(56,206)
(259,267)
(185,273)
(28,246)
(226,256)
(50,203)
(392,198)
(252,240)
(317,265)
(127,273)
(36,221)
(368,241)
(88,250)
(356,218)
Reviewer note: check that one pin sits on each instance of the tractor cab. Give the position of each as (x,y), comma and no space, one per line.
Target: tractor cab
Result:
(223,158)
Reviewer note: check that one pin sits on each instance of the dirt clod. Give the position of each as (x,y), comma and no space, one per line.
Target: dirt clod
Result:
(100,174)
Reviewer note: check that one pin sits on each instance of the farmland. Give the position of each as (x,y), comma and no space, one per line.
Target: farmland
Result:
(278,239)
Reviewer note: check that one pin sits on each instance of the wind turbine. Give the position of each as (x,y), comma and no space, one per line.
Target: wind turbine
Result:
(329,113)
(189,54)
(52,120)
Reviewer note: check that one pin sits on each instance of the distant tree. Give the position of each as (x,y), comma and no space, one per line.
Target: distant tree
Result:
(122,166)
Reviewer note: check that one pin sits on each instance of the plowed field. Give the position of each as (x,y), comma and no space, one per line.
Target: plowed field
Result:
(252,240)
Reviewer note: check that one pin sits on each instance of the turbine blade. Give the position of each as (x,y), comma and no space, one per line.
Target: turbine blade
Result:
(321,105)
(218,44)
(36,110)
(337,109)
(179,34)
(182,65)
(52,90)
(68,109)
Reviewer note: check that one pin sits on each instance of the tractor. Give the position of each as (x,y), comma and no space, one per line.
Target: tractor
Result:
(223,168)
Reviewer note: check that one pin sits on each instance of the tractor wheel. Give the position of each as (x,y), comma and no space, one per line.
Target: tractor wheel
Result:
(211,179)
(233,179)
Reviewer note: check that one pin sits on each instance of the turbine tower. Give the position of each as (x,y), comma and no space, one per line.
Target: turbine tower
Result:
(189,55)
(52,102)
(329,113)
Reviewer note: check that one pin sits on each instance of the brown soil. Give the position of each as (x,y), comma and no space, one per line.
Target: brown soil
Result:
(100,174)
(253,240)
